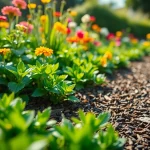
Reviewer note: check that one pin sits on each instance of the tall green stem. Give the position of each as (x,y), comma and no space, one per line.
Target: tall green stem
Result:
(49,12)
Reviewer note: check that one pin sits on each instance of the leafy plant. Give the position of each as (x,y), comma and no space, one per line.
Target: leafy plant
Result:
(21,129)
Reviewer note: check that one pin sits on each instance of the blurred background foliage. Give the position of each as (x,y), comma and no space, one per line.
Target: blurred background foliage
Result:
(134,17)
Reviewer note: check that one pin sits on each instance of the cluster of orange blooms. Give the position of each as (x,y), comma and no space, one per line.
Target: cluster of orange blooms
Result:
(96,28)
(107,56)
(4,51)
(76,39)
(43,51)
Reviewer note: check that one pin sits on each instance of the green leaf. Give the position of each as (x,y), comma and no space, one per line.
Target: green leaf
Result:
(38,64)
(104,117)
(15,87)
(21,67)
(73,99)
(38,92)
(12,70)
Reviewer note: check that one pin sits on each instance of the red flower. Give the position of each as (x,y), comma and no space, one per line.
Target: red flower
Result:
(80,34)
(3,18)
(68,30)
(92,18)
(110,36)
(56,14)
(11,11)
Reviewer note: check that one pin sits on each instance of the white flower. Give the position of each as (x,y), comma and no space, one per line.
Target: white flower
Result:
(72,24)
(125,39)
(104,31)
(85,18)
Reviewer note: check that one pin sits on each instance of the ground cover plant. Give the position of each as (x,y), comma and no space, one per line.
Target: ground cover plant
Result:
(51,57)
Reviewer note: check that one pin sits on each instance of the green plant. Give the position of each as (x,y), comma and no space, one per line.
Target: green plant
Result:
(21,129)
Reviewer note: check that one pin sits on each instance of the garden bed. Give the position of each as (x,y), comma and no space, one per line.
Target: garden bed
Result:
(126,97)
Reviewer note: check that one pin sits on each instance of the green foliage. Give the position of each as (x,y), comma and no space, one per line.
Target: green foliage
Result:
(21,129)
(139,4)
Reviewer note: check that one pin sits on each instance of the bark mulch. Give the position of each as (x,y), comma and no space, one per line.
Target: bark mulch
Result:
(126,96)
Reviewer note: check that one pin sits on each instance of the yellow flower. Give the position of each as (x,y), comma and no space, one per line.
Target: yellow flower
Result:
(118,33)
(4,51)
(146,44)
(103,61)
(32,6)
(43,18)
(4,24)
(148,36)
(43,50)
(45,1)
(85,47)
(108,55)
(60,27)
(73,13)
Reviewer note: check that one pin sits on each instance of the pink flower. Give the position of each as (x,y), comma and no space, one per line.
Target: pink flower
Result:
(11,11)
(69,20)
(28,26)
(21,4)
(117,42)
(80,34)
(97,43)
(110,36)
(3,18)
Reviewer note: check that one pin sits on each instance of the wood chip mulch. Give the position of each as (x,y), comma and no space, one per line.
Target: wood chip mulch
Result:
(126,96)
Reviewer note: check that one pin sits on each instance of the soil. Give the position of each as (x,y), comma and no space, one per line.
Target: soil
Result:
(126,96)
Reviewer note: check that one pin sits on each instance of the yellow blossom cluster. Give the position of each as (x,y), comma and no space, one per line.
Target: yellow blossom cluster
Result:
(60,27)
(4,51)
(32,6)
(45,1)
(107,56)
(4,24)
(43,50)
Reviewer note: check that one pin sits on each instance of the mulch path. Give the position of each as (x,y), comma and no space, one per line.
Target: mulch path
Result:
(126,96)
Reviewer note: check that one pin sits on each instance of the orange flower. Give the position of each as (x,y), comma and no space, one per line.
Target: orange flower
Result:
(45,1)
(148,36)
(118,34)
(43,50)
(134,41)
(4,24)
(96,28)
(32,6)
(103,61)
(87,39)
(60,27)
(108,55)
(4,51)
(72,39)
